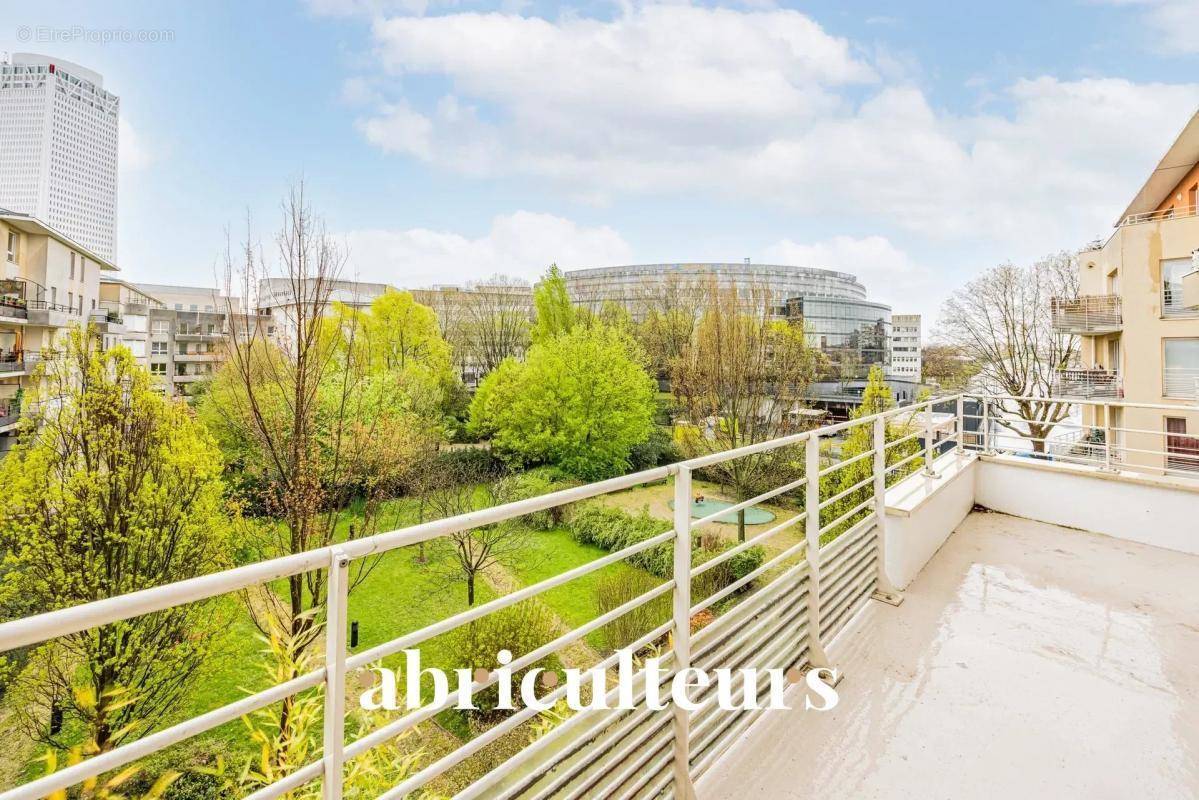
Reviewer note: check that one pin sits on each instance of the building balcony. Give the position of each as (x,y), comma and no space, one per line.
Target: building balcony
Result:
(1027,621)
(190,378)
(1087,384)
(200,358)
(1090,314)
(12,364)
(199,337)
(10,414)
(1160,216)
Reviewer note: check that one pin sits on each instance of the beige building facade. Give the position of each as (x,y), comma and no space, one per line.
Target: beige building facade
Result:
(48,282)
(1140,333)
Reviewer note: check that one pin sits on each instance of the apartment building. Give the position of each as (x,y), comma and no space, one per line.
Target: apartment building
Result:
(1139,329)
(48,283)
(179,333)
(905,347)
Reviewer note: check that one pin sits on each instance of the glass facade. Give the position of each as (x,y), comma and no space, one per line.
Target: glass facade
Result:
(854,334)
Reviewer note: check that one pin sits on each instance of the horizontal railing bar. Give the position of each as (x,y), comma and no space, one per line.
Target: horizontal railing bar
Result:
(65,621)
(1078,400)
(859,507)
(737,584)
(857,487)
(460,754)
(104,762)
(899,464)
(747,503)
(393,729)
(834,467)
(748,543)
(448,624)
(903,439)
(305,774)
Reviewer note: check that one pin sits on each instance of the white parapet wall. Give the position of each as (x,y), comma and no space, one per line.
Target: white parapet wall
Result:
(1159,511)
(922,512)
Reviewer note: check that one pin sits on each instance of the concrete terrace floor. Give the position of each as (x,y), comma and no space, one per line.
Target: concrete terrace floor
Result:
(1027,661)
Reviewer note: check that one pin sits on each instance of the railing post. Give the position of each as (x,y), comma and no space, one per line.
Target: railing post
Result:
(884,590)
(929,472)
(816,654)
(1107,438)
(961,426)
(683,788)
(986,425)
(335,674)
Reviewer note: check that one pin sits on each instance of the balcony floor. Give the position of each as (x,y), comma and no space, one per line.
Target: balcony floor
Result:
(1027,661)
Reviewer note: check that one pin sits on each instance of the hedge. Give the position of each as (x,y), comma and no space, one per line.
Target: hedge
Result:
(612,529)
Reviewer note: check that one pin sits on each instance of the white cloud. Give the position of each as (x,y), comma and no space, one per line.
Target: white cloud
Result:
(766,105)
(521,244)
(888,273)
(1170,24)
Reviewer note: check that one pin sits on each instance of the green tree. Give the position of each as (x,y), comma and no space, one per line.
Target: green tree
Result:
(551,301)
(111,488)
(743,379)
(581,400)
(876,398)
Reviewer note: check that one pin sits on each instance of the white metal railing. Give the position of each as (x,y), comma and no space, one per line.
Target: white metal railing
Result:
(1097,442)
(1085,384)
(786,612)
(1087,314)
(1157,216)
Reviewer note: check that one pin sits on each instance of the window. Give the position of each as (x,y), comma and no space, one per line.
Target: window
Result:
(1172,271)
(158,368)
(193,307)
(158,348)
(71,300)
(1180,368)
(1182,451)
(72,266)
(183,348)
(160,326)
(208,308)
(82,268)
(179,306)
(53,295)
(12,246)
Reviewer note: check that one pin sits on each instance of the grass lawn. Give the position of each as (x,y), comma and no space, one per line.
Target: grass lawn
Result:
(556,551)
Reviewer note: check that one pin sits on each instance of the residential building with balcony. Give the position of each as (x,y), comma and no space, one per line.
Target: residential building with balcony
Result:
(48,282)
(1139,329)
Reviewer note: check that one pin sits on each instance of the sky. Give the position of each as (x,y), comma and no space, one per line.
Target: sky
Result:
(913,144)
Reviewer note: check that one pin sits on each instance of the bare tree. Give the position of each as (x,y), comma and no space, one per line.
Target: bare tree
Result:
(742,379)
(282,370)
(461,487)
(497,314)
(1001,322)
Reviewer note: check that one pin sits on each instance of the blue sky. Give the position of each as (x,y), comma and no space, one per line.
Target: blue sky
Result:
(911,143)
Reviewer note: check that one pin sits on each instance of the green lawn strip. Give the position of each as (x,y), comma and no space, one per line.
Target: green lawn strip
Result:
(556,551)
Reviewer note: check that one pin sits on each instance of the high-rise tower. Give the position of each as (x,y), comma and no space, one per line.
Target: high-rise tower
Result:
(58,161)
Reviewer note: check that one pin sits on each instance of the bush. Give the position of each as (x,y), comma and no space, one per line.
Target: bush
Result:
(612,529)
(519,629)
(655,451)
(468,461)
(533,484)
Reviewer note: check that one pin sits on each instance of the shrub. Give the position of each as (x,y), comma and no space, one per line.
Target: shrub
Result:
(655,451)
(612,529)
(520,629)
(533,484)
(468,461)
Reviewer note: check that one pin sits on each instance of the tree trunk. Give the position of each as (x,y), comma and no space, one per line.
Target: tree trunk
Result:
(470,589)
(741,525)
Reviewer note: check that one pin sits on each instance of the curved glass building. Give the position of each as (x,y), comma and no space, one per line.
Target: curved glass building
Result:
(855,333)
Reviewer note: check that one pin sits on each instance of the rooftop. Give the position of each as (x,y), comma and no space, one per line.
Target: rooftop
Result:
(1027,660)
